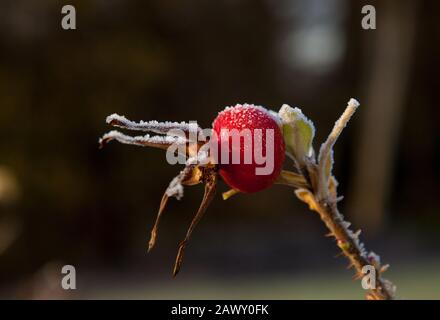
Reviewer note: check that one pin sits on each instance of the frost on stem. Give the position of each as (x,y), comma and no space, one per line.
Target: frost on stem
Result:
(349,243)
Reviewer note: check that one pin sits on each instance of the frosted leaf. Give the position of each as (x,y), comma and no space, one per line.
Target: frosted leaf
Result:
(152,126)
(298,133)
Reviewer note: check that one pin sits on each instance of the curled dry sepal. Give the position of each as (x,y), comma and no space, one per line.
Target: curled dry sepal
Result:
(312,179)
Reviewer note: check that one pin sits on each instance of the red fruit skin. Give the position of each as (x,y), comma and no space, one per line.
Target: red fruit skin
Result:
(243,177)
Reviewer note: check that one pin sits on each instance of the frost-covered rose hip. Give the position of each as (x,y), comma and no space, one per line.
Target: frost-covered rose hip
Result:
(257,138)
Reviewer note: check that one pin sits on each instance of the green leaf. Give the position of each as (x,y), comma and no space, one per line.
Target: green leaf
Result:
(298,134)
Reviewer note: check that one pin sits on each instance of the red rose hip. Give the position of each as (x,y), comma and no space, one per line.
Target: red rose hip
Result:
(260,148)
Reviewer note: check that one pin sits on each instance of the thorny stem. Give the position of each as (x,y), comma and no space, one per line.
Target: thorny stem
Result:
(349,244)
(321,197)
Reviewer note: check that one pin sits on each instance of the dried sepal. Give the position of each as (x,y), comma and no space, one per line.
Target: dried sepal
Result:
(153,235)
(210,189)
(292,179)
(182,138)
(190,175)
(151,126)
(231,192)
(161,142)
(198,167)
(306,196)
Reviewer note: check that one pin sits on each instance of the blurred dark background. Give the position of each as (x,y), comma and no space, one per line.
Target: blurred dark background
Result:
(64,201)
